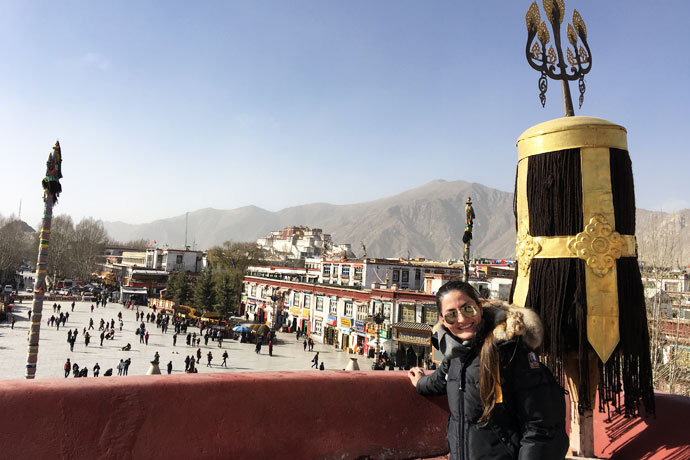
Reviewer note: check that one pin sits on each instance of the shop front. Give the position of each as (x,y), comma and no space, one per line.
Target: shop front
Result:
(345,329)
(330,331)
(412,343)
(359,337)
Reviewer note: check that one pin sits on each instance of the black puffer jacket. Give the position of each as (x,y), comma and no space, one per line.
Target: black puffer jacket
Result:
(530,422)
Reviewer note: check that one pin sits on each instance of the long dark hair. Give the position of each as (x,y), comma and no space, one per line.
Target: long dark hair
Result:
(489,376)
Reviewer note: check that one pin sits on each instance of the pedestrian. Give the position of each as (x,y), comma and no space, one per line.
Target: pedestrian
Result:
(220,342)
(198,355)
(75,370)
(189,338)
(141,335)
(91,323)
(128,361)
(96,370)
(209,357)
(71,342)
(102,337)
(91,308)
(12,320)
(270,348)
(121,324)
(169,367)
(315,361)
(478,368)
(305,344)
(321,366)
(67,367)
(87,338)
(120,367)
(73,305)
(257,349)
(156,358)
(174,339)
(206,340)
(186,363)
(198,341)
(225,359)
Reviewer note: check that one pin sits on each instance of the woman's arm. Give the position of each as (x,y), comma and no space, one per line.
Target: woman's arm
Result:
(430,385)
(540,406)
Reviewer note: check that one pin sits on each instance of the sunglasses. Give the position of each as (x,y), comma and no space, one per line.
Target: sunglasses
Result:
(468,311)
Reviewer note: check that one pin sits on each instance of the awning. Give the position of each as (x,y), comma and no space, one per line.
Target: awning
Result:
(372,342)
(133,290)
(413,326)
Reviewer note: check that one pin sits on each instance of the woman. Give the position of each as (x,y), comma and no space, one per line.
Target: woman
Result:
(503,403)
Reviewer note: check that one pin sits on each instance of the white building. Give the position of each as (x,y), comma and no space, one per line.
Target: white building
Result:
(300,242)
(170,260)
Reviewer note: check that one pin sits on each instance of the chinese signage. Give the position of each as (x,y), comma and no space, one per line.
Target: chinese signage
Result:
(360,326)
(346,322)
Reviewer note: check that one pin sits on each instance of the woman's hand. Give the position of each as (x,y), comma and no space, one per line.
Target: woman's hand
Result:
(415,374)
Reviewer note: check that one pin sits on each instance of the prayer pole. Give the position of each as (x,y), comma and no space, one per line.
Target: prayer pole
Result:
(467,237)
(51,190)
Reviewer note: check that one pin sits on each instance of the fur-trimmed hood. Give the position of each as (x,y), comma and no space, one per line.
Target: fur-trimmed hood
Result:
(505,320)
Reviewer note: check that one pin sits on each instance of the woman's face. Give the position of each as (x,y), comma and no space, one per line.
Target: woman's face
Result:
(457,305)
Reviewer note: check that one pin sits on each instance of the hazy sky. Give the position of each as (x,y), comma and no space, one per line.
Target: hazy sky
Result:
(170,106)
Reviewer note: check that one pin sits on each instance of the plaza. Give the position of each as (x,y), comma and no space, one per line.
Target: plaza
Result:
(53,351)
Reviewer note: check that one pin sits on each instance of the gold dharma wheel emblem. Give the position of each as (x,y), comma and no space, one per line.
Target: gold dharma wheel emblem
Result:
(598,245)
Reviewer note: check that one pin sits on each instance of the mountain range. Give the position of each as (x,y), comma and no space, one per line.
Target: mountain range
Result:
(426,221)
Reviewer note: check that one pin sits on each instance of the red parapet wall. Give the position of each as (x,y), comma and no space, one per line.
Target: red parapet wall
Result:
(301,415)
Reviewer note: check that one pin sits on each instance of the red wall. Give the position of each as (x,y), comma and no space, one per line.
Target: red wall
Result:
(286,415)
(303,415)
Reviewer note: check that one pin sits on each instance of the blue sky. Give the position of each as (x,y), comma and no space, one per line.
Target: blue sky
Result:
(169,106)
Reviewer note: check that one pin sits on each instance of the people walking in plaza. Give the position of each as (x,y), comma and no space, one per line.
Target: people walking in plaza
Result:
(87,338)
(305,344)
(125,370)
(220,342)
(75,370)
(169,367)
(174,339)
(186,363)
(209,357)
(67,367)
(270,348)
(121,324)
(156,358)
(257,349)
(102,337)
(198,355)
(96,370)
(73,305)
(225,359)
(91,323)
(141,336)
(189,339)
(91,308)
(315,361)
(311,344)
(206,340)
(120,367)
(146,337)
(12,320)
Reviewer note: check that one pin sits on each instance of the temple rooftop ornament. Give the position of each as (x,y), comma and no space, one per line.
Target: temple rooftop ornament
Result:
(551,63)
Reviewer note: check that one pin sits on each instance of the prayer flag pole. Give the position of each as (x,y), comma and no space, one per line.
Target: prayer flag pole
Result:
(51,190)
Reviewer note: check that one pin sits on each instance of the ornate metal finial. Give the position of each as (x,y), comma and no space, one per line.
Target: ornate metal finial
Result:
(551,63)
(51,183)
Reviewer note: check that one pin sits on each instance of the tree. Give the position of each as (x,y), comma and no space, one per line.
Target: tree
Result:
(229,262)
(88,244)
(204,295)
(178,290)
(60,260)
(13,248)
(225,285)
